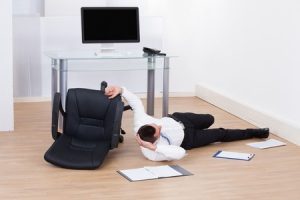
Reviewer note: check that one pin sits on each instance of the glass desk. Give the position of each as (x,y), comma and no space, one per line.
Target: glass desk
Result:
(60,68)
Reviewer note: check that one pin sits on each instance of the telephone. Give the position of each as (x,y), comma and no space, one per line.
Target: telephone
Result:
(153,52)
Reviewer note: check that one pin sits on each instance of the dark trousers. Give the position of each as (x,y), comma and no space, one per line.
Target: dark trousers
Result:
(197,134)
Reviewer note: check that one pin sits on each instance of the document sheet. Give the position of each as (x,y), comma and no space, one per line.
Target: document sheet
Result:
(138,174)
(163,171)
(267,144)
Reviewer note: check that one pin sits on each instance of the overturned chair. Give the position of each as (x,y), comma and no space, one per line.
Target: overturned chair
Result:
(91,127)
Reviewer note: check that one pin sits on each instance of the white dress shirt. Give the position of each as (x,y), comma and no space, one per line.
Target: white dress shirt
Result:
(166,149)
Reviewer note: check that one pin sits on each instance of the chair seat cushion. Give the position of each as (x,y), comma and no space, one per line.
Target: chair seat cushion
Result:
(72,153)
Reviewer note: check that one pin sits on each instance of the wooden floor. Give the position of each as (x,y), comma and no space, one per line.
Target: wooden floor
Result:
(271,174)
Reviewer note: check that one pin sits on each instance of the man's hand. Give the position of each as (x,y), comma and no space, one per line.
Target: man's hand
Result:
(145,144)
(112,91)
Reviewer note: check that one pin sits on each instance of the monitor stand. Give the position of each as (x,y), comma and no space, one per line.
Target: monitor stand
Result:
(108,48)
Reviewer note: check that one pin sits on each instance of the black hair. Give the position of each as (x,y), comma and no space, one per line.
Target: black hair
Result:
(146,133)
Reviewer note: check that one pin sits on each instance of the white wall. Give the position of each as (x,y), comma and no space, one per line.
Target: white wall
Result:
(180,39)
(26,52)
(252,54)
(247,51)
(72,7)
(28,7)
(26,47)
(6,76)
(69,7)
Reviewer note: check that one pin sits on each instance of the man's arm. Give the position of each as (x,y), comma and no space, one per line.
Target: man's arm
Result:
(160,152)
(164,153)
(133,100)
(135,103)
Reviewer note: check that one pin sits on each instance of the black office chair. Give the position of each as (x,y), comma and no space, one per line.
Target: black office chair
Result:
(91,127)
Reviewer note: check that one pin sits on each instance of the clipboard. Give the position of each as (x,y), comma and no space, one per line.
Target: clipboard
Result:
(234,155)
(156,172)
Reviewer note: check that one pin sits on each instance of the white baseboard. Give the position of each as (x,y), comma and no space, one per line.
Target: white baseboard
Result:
(171,94)
(31,99)
(278,126)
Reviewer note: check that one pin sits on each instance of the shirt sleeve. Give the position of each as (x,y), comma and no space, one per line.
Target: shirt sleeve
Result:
(134,101)
(140,116)
(164,153)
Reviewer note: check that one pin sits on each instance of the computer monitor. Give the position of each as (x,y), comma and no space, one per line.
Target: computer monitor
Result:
(110,24)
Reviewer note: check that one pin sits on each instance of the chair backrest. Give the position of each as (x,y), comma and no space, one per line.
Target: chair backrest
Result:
(91,116)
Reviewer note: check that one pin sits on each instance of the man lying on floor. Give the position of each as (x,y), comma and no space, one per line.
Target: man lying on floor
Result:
(168,138)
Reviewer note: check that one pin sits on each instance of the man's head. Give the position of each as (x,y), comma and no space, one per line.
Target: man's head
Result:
(149,132)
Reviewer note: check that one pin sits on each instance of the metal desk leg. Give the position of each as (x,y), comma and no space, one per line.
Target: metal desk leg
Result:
(151,86)
(165,106)
(63,79)
(53,78)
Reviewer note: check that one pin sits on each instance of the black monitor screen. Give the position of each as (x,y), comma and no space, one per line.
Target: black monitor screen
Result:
(110,24)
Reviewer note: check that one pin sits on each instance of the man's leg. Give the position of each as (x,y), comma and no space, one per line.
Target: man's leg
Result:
(208,136)
(197,121)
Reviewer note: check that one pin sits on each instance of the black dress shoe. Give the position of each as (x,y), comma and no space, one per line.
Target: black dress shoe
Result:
(262,133)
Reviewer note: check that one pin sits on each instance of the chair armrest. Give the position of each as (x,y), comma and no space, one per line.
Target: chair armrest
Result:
(117,125)
(56,107)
